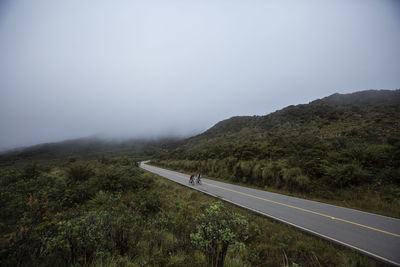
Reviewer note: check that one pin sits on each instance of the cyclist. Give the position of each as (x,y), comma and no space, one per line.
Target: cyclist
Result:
(191,180)
(198,178)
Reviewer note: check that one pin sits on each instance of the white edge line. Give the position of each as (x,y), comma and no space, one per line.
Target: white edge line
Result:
(286,222)
(332,205)
(307,230)
(319,202)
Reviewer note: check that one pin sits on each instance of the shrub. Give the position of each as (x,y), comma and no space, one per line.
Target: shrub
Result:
(256,173)
(272,174)
(294,180)
(119,178)
(27,243)
(237,173)
(246,167)
(30,171)
(79,172)
(216,229)
(347,174)
(301,183)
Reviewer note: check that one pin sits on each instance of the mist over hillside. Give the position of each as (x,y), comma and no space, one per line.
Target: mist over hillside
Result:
(297,119)
(91,147)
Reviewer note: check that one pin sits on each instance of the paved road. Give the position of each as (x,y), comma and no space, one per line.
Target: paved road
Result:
(375,235)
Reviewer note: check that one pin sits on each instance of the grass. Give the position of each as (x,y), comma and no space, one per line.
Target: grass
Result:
(119,215)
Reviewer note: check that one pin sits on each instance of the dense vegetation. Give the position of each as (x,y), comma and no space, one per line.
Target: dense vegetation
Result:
(108,212)
(343,149)
(86,202)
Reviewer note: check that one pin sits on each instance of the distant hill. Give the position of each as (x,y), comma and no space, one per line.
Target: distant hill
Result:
(367,97)
(337,143)
(90,147)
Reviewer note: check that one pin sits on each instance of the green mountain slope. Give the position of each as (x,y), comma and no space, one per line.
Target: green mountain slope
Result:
(332,148)
(370,112)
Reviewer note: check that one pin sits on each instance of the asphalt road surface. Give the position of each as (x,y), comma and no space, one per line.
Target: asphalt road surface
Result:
(374,235)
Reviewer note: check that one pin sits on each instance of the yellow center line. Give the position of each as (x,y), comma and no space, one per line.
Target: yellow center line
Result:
(305,210)
(297,208)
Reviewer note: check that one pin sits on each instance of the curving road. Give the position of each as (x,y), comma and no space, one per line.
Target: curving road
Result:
(375,235)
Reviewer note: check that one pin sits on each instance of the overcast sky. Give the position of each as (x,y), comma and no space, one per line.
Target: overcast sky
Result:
(77,68)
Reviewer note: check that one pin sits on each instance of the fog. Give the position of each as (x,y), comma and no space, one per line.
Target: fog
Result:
(121,69)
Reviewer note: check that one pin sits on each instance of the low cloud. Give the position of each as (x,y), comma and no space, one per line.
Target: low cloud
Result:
(153,68)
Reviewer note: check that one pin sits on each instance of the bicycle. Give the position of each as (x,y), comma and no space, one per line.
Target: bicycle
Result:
(191,180)
(198,180)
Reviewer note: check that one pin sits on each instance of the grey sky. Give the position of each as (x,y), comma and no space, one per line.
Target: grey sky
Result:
(148,68)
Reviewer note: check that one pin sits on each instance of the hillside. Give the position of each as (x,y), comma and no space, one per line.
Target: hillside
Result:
(370,112)
(334,148)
